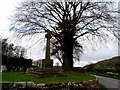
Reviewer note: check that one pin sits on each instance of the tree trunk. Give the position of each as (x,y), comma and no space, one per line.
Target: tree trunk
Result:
(68,52)
(67,63)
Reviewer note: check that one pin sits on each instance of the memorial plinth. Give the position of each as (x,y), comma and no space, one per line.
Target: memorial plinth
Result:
(47,62)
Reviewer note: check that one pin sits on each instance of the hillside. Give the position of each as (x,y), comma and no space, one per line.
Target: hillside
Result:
(106,64)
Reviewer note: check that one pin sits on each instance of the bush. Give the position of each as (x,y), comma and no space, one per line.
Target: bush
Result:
(109,73)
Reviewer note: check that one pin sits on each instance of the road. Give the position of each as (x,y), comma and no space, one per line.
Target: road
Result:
(110,83)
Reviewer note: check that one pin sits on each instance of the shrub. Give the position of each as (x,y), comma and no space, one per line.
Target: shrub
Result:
(110,73)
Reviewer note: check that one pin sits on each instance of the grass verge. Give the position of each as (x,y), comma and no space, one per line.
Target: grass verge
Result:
(0,76)
(20,77)
(106,75)
(101,87)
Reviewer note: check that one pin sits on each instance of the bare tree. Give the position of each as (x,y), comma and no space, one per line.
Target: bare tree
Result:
(7,48)
(67,22)
(10,50)
(19,51)
(4,46)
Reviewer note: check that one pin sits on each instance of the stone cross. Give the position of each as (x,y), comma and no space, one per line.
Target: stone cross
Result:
(48,36)
(47,62)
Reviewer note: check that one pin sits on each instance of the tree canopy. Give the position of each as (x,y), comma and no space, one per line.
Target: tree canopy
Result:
(70,23)
(13,56)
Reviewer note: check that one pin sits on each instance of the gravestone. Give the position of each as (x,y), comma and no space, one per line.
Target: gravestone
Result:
(47,62)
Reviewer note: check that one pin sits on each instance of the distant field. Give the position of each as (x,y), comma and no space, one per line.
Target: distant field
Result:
(20,77)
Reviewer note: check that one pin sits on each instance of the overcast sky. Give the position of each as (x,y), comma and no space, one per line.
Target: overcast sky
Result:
(7,8)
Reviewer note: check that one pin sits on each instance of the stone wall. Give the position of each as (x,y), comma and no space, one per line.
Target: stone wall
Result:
(85,85)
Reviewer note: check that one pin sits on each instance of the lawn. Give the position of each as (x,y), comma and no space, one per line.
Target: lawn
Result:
(20,77)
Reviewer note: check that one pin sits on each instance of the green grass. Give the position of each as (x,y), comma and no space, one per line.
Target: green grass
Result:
(101,87)
(106,75)
(0,76)
(20,77)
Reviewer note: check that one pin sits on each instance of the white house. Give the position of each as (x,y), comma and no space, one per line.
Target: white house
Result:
(3,68)
(37,63)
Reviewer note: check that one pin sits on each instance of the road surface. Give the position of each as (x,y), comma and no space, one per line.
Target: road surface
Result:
(110,83)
